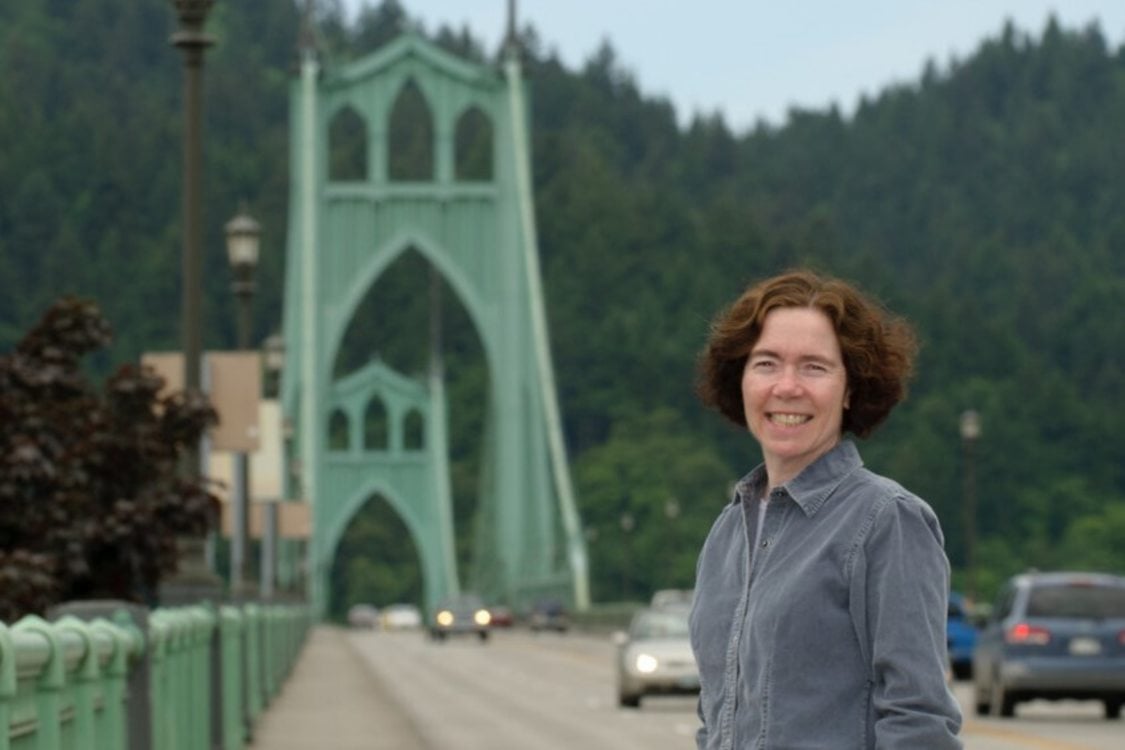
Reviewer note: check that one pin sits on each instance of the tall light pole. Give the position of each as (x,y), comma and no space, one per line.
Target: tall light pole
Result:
(194,579)
(970,433)
(273,354)
(671,513)
(191,40)
(243,241)
(628,523)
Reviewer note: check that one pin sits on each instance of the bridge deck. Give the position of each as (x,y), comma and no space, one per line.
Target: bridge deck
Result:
(332,702)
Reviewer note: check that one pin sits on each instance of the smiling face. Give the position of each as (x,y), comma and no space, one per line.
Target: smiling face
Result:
(794,390)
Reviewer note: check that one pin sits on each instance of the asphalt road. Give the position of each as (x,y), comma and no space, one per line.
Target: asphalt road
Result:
(522,691)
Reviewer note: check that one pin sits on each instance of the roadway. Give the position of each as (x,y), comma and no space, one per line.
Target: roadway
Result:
(523,691)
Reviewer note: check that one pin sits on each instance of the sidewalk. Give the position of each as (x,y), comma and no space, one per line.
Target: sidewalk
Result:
(332,702)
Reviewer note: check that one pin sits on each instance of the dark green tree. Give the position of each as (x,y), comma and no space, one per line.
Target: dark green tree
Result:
(91,495)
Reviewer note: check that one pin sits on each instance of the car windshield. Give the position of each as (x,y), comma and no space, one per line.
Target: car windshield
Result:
(668,624)
(1077,601)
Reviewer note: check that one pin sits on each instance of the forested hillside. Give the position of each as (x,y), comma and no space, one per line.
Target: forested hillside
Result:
(985,201)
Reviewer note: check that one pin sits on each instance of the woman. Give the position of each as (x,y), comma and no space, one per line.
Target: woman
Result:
(820,599)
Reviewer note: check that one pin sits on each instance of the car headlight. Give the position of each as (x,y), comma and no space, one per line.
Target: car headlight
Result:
(444,618)
(482,617)
(646,663)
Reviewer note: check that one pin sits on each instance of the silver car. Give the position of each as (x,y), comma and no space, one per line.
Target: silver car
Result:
(655,656)
(1053,636)
(464,614)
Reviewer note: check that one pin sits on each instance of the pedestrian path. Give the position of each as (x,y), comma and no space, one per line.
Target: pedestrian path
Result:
(332,702)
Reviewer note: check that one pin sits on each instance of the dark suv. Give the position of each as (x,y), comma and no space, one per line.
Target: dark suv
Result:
(549,614)
(1053,636)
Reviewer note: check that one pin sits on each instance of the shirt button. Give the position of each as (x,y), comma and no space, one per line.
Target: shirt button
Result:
(765,544)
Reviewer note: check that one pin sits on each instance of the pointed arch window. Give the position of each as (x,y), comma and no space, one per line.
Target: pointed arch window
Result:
(410,136)
(473,147)
(375,426)
(347,146)
(414,431)
(339,438)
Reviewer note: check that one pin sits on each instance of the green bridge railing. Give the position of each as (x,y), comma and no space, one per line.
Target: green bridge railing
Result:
(113,676)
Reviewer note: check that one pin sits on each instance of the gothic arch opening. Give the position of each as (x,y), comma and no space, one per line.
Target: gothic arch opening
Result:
(410,137)
(339,431)
(413,431)
(376,561)
(375,426)
(473,147)
(347,146)
(392,323)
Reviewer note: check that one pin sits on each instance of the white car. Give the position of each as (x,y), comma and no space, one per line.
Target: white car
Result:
(655,656)
(363,616)
(401,617)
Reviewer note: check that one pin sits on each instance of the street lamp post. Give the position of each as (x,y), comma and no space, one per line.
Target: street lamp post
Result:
(628,523)
(273,354)
(243,240)
(970,433)
(194,579)
(671,513)
(192,42)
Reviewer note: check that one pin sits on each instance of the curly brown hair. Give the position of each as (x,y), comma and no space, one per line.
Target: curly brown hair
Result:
(878,348)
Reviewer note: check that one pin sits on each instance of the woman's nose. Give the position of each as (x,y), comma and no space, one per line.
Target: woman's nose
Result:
(787,381)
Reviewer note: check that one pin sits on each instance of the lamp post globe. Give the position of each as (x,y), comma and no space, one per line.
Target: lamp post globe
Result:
(243,241)
(970,425)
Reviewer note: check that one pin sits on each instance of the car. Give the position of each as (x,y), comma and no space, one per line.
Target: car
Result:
(401,616)
(464,614)
(1058,635)
(502,616)
(363,616)
(549,614)
(665,597)
(961,636)
(654,656)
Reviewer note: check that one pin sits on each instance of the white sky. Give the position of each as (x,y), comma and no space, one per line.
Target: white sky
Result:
(752,59)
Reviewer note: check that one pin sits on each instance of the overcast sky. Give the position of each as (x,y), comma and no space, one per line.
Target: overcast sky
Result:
(753,59)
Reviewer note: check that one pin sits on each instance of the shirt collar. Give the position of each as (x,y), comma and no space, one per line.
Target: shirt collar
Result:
(811,488)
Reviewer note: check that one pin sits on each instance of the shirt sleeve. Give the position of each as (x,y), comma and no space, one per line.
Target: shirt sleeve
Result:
(701,733)
(900,591)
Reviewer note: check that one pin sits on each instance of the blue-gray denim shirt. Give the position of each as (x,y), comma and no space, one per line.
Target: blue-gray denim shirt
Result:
(832,635)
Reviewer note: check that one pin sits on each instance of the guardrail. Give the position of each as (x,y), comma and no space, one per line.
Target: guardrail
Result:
(114,676)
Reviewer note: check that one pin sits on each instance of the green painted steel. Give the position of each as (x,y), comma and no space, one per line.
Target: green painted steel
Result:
(233,652)
(255,696)
(63,683)
(480,236)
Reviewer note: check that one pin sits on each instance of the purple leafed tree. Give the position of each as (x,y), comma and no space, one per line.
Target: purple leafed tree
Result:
(92,495)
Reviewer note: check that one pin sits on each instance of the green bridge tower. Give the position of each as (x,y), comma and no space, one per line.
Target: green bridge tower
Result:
(480,236)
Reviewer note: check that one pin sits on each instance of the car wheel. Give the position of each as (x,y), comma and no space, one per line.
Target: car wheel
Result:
(1113,708)
(1003,702)
(629,700)
(982,705)
(980,696)
(483,636)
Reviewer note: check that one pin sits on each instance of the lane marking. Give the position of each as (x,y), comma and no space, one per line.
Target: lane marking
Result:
(972,727)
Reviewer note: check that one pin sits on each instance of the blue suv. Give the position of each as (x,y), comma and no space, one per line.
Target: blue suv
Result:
(961,637)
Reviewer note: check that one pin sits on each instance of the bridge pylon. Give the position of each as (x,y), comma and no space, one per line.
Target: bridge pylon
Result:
(348,222)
